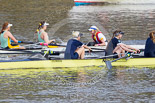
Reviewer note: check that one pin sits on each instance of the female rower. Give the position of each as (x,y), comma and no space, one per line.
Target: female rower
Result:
(42,35)
(75,49)
(6,37)
(117,47)
(150,45)
(97,36)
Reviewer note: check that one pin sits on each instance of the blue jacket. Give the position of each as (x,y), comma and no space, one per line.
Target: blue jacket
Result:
(149,48)
(72,45)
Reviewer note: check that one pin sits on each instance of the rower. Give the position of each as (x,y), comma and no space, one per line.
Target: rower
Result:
(75,49)
(150,45)
(42,35)
(6,38)
(115,46)
(97,36)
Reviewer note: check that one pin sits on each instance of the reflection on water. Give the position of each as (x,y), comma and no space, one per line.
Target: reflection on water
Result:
(77,85)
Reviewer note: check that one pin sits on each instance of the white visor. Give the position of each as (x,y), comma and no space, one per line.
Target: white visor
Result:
(45,24)
(9,25)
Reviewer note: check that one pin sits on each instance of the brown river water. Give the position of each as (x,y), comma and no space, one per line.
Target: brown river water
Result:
(79,85)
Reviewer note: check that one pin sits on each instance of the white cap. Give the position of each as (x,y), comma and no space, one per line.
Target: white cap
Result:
(93,28)
(9,25)
(76,34)
(45,24)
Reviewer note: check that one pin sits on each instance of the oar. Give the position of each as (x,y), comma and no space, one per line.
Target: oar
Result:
(98,49)
(45,44)
(108,63)
(16,51)
(24,42)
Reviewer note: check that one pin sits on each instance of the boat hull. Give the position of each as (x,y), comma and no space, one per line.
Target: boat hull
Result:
(88,2)
(133,62)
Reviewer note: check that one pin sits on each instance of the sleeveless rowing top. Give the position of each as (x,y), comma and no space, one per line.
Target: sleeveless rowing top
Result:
(4,41)
(39,37)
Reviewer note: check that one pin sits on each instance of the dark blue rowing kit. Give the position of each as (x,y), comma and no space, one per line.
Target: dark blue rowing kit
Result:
(112,45)
(72,45)
(149,48)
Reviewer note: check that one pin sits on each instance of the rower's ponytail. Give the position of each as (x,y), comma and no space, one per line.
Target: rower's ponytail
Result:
(152,36)
(40,26)
(4,26)
(115,32)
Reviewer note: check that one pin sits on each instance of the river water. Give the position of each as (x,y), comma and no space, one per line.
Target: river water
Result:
(88,84)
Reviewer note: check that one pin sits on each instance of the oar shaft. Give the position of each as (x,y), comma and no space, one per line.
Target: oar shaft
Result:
(98,49)
(119,58)
(127,55)
(16,51)
(45,44)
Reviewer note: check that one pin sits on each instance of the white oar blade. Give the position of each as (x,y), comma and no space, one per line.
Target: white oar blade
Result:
(108,64)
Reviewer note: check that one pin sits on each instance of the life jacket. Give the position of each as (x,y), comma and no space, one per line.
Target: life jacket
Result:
(97,38)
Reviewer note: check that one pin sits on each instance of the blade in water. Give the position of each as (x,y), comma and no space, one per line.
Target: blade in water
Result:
(108,64)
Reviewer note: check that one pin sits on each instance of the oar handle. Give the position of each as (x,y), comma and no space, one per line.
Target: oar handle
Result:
(26,42)
(45,44)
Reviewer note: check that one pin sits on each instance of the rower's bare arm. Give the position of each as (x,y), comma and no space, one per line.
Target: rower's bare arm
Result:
(103,43)
(130,47)
(45,36)
(12,37)
(86,47)
(53,40)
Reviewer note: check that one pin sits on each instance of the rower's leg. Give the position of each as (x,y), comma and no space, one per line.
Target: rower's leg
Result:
(81,52)
(116,49)
(20,47)
(119,53)
(125,48)
(123,52)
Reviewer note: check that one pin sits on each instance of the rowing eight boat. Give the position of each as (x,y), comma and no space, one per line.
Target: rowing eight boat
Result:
(36,63)
(133,62)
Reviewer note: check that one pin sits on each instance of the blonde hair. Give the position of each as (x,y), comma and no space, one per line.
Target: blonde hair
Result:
(152,36)
(97,30)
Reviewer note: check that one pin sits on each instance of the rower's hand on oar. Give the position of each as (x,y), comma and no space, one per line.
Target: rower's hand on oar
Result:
(97,45)
(136,51)
(53,40)
(90,50)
